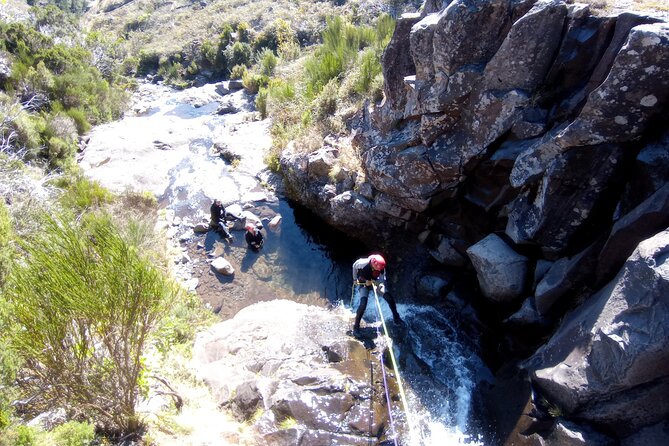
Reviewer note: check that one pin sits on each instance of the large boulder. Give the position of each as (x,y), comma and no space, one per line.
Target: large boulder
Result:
(291,361)
(501,270)
(609,361)
(570,200)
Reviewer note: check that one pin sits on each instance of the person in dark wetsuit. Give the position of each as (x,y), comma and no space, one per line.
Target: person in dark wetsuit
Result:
(254,237)
(368,272)
(218,222)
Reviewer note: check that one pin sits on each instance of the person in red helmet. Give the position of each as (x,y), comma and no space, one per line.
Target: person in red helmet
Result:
(253,236)
(367,273)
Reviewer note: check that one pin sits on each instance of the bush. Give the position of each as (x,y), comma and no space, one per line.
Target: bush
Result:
(208,53)
(130,66)
(238,54)
(170,70)
(238,72)
(370,71)
(90,301)
(136,24)
(243,33)
(282,91)
(5,252)
(81,194)
(20,436)
(59,151)
(267,61)
(261,102)
(186,317)
(27,132)
(74,434)
(79,118)
(148,62)
(253,82)
(273,36)
(326,102)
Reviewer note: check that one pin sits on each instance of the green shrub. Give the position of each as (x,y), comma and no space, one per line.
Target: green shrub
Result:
(186,317)
(238,72)
(79,118)
(370,71)
(81,193)
(208,52)
(61,125)
(20,436)
(27,130)
(385,26)
(282,91)
(148,62)
(238,54)
(267,62)
(244,32)
(74,434)
(170,70)
(136,23)
(60,58)
(326,102)
(5,253)
(253,82)
(320,70)
(59,151)
(273,162)
(90,300)
(130,66)
(225,37)
(86,89)
(261,102)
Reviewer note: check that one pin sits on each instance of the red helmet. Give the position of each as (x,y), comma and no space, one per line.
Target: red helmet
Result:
(378,262)
(250,227)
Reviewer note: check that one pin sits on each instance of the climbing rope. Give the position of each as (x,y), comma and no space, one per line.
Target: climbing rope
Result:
(403,397)
(385,387)
(371,399)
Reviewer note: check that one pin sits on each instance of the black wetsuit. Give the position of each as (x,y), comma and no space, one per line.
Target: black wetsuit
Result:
(362,275)
(254,239)
(218,222)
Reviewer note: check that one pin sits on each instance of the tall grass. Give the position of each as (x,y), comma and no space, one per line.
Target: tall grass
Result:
(341,73)
(86,300)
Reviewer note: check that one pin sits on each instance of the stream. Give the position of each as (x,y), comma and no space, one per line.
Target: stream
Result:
(170,144)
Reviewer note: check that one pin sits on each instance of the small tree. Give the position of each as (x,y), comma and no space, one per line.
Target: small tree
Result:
(86,301)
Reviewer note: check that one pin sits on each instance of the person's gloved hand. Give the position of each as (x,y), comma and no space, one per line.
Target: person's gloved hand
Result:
(381,288)
(368,283)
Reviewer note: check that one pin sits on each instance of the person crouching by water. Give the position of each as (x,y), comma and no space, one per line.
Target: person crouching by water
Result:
(218,221)
(367,273)
(254,237)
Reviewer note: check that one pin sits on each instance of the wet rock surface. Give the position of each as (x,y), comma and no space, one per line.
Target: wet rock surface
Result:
(277,366)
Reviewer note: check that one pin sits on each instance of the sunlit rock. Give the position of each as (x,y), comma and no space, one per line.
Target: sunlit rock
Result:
(222,266)
(501,270)
(271,359)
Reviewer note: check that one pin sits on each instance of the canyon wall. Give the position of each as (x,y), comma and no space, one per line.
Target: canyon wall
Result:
(528,143)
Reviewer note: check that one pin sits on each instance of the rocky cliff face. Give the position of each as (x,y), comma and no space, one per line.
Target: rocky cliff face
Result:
(527,141)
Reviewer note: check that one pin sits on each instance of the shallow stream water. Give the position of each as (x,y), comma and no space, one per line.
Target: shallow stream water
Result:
(166,147)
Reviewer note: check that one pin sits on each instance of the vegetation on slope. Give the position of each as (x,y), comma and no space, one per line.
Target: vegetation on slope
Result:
(55,89)
(320,91)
